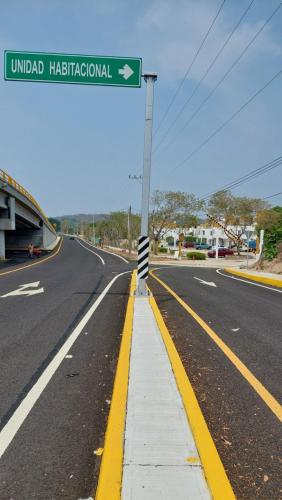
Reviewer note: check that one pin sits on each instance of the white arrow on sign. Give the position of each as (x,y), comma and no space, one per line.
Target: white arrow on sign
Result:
(209,283)
(22,290)
(126,71)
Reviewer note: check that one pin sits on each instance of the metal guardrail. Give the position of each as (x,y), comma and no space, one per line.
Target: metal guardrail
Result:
(12,182)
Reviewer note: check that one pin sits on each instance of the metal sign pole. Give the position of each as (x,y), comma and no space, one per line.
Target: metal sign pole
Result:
(143,244)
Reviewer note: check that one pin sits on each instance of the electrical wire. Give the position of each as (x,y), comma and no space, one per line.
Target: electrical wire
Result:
(204,75)
(272,196)
(211,136)
(223,78)
(189,69)
(245,178)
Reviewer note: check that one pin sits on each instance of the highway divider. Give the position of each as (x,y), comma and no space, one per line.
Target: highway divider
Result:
(111,470)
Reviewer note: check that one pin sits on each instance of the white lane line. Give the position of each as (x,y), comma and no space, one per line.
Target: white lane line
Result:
(91,251)
(248,282)
(107,251)
(11,428)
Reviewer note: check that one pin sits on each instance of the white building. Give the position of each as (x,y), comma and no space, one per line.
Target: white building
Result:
(208,235)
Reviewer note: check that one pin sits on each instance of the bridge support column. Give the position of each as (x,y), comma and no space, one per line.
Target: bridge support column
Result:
(2,244)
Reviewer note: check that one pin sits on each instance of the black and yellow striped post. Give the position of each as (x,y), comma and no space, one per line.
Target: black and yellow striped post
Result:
(143,258)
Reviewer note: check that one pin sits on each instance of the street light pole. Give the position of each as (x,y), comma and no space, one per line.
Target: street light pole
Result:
(143,244)
(248,243)
(129,237)
(93,232)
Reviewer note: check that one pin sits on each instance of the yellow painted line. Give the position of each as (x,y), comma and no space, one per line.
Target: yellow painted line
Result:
(110,477)
(216,477)
(265,395)
(40,261)
(260,279)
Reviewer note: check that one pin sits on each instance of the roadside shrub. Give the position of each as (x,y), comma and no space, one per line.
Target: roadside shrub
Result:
(196,256)
(162,250)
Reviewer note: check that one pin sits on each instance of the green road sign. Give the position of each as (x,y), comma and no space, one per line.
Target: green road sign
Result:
(69,68)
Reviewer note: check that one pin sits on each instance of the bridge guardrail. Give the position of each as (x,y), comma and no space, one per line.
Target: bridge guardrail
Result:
(5,177)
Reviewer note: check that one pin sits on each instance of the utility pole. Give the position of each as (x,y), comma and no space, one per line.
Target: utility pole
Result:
(248,247)
(129,230)
(216,246)
(143,244)
(93,232)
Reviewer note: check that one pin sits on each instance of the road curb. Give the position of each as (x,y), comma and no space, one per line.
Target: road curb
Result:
(110,477)
(251,277)
(215,474)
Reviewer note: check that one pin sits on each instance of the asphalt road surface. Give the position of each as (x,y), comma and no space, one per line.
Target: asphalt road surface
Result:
(58,360)
(248,319)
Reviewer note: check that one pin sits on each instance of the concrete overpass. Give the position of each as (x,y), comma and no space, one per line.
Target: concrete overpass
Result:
(21,219)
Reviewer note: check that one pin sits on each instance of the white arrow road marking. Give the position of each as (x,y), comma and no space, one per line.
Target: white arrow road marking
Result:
(22,290)
(126,71)
(210,283)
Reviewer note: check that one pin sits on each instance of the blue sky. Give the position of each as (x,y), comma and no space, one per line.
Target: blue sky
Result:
(73,146)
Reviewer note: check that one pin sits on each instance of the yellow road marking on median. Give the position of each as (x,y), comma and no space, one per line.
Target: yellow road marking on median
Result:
(252,277)
(40,261)
(216,477)
(265,395)
(110,477)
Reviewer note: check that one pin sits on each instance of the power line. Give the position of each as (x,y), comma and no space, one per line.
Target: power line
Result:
(245,178)
(208,139)
(272,196)
(252,176)
(189,68)
(223,78)
(205,74)
(253,173)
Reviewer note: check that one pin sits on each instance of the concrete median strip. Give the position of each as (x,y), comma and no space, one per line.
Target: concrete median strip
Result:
(157,445)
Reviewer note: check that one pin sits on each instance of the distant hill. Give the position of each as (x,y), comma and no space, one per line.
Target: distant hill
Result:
(78,218)
(71,223)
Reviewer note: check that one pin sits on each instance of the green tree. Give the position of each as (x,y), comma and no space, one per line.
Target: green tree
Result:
(271,221)
(168,209)
(115,228)
(220,205)
(56,223)
(238,211)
